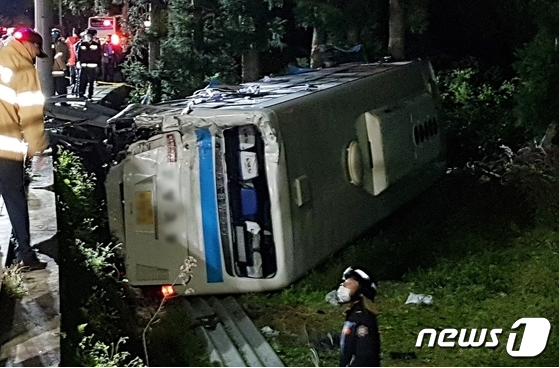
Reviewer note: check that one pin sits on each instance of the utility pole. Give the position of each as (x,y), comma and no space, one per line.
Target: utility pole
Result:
(43,25)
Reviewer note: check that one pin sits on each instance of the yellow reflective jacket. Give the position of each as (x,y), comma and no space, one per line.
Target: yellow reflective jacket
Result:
(21,104)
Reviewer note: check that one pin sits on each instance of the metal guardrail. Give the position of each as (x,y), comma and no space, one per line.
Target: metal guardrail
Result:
(232,339)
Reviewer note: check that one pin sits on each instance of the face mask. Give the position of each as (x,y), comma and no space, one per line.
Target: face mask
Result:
(344,294)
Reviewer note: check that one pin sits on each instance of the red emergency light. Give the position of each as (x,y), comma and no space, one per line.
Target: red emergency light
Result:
(18,35)
(107,22)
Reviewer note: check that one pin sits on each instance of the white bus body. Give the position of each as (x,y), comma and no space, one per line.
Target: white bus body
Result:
(263,183)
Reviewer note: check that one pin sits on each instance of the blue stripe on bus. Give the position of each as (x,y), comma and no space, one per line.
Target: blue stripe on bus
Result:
(208,201)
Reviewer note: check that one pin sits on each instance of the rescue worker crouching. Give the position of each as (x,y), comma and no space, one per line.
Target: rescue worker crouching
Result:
(59,65)
(360,339)
(89,55)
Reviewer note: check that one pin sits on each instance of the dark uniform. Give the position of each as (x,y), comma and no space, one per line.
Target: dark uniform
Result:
(360,340)
(108,67)
(89,54)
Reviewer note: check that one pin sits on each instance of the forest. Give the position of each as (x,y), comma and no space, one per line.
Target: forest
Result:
(495,59)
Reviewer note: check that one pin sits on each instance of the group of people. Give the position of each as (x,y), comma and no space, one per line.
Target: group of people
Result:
(81,58)
(22,134)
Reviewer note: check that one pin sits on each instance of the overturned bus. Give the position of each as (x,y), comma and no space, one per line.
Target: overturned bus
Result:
(263,181)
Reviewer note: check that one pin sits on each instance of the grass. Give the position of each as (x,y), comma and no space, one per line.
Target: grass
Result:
(475,248)
(13,282)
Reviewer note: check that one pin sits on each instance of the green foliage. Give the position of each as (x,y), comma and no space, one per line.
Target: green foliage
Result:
(538,72)
(535,171)
(94,302)
(250,25)
(344,23)
(183,66)
(75,190)
(100,316)
(12,282)
(89,8)
(478,115)
(203,40)
(416,15)
(98,354)
(90,291)
(99,258)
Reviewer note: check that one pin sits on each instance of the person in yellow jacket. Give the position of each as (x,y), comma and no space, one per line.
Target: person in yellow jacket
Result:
(22,132)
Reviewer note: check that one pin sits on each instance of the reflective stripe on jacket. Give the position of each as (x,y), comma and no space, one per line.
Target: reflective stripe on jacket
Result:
(61,56)
(21,104)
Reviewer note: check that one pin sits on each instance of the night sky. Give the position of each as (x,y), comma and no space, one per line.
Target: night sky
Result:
(16,8)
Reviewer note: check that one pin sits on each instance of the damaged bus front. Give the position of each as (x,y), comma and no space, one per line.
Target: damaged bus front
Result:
(201,188)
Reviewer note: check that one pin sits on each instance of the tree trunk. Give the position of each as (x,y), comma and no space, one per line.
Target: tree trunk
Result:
(251,67)
(198,29)
(154,46)
(155,18)
(316,60)
(550,133)
(125,10)
(396,31)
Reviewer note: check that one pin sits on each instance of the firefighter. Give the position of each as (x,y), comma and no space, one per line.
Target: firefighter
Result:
(360,339)
(59,66)
(22,133)
(89,54)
